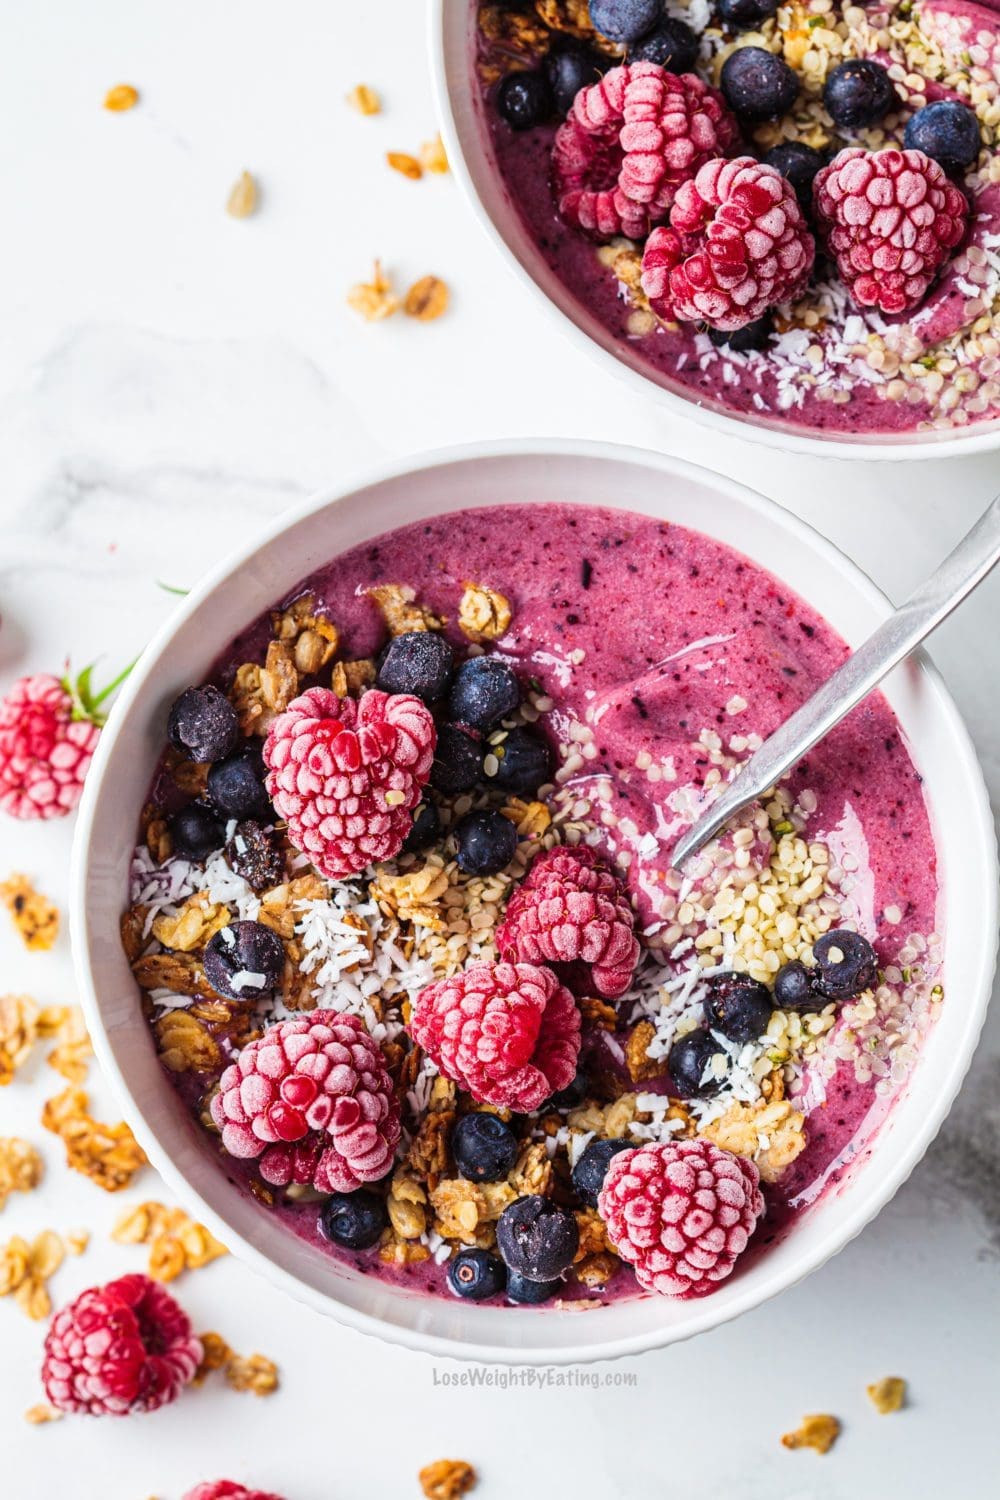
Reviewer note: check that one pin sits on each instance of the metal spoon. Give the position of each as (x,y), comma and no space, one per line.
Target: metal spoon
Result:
(975,556)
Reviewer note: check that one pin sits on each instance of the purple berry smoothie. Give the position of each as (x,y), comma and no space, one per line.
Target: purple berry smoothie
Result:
(653,653)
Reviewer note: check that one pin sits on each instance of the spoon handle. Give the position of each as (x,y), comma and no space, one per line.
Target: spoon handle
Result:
(976,554)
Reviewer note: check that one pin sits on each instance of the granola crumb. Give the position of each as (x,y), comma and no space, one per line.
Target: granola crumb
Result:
(41,1413)
(888,1395)
(73,1051)
(401,613)
(350,678)
(25,1270)
(35,917)
(20,1167)
(374,299)
(427,299)
(176,1242)
(215,1354)
(253,1372)
(18,1030)
(242,200)
(819,1431)
(484,614)
(365,100)
(433,156)
(108,1154)
(408,166)
(123,96)
(447,1479)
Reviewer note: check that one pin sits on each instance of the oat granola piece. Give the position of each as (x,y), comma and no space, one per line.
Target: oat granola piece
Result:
(73,1051)
(401,613)
(413,897)
(350,678)
(18,1030)
(404,163)
(243,196)
(433,156)
(461,1208)
(819,1431)
(214,1356)
(281,907)
(42,1412)
(531,819)
(176,1242)
(132,928)
(312,635)
(188,776)
(25,1270)
(447,1479)
(159,840)
(120,98)
(374,299)
(597,1270)
(185,1043)
(513,30)
(35,917)
(193,925)
(406,1205)
(181,973)
(429,1153)
(484,614)
(637,1060)
(532,1172)
(365,100)
(108,1154)
(20,1167)
(887,1395)
(253,1372)
(598,1013)
(260,693)
(769,1133)
(427,299)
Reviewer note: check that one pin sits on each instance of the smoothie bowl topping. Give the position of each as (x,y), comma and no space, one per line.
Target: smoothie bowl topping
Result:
(412,952)
(782,209)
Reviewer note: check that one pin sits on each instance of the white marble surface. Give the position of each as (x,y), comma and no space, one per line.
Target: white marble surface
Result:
(169,378)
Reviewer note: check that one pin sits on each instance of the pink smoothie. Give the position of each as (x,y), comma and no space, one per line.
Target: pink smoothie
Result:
(648,634)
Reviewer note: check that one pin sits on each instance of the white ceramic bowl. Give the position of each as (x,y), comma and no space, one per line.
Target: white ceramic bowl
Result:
(262,572)
(466,136)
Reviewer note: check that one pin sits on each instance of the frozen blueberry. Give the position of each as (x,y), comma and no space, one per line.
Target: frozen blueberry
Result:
(244,961)
(795,989)
(458,761)
(799,163)
(746,15)
(746,340)
(625,20)
(524,762)
(476,1274)
(537,1238)
(487,842)
(484,1147)
(354,1221)
(255,853)
(236,785)
(858,92)
(419,662)
(757,84)
(485,690)
(524,99)
(573,1094)
(946,131)
(592,1167)
(846,964)
(203,724)
(738,1006)
(523,1289)
(671,44)
(687,1061)
(196,831)
(426,829)
(569,69)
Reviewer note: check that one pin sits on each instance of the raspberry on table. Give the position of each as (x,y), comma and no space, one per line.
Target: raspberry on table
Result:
(737,244)
(347,774)
(227,1489)
(680,1213)
(125,1347)
(44,752)
(890,219)
(572,912)
(509,1034)
(313,1099)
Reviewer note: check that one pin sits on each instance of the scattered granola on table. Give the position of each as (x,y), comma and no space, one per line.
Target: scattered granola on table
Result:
(887,1395)
(20,1167)
(447,1479)
(26,1268)
(176,1241)
(819,1432)
(108,1154)
(412,953)
(35,916)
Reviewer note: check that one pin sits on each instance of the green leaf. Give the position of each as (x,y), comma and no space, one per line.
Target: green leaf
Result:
(168,588)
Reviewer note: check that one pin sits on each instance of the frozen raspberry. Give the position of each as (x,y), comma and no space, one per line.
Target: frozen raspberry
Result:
(347,774)
(587,159)
(572,911)
(737,244)
(890,219)
(680,1213)
(121,1348)
(674,124)
(44,752)
(227,1489)
(313,1099)
(508,1033)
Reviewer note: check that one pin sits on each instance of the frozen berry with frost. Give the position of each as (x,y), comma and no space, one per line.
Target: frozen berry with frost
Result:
(426,829)
(203,725)
(476,1275)
(509,1034)
(484,1147)
(196,831)
(587,158)
(673,125)
(681,1214)
(859,92)
(592,1167)
(418,662)
(346,774)
(458,761)
(691,1064)
(236,784)
(45,752)
(487,842)
(758,84)
(485,691)
(569,68)
(227,1489)
(846,964)
(244,961)
(354,1221)
(624,20)
(524,762)
(948,132)
(313,1099)
(256,854)
(125,1347)
(737,1006)
(524,1289)
(671,44)
(737,244)
(524,99)
(537,1238)
(890,219)
(795,988)
(574,915)
(799,163)
(746,15)
(750,339)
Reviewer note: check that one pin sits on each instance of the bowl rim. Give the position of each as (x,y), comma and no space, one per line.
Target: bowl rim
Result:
(749,430)
(869,1192)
